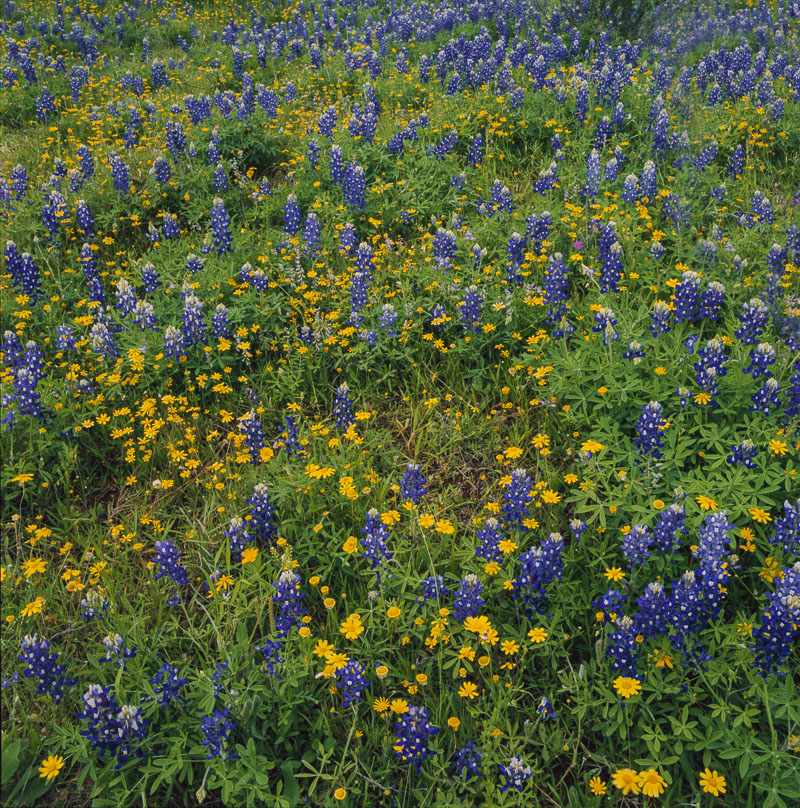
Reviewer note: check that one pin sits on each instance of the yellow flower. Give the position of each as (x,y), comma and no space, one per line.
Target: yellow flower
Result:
(712,783)
(351,627)
(509,647)
(651,783)
(340,793)
(51,766)
(478,625)
(658,504)
(627,687)
(777,447)
(249,555)
(444,526)
(506,546)
(381,705)
(22,479)
(381,671)
(627,781)
(427,520)
(597,786)
(706,503)
(399,706)
(34,566)
(592,446)
(569,479)
(34,607)
(760,515)
(390,518)
(393,612)
(614,573)
(468,691)
(350,545)
(454,723)
(537,635)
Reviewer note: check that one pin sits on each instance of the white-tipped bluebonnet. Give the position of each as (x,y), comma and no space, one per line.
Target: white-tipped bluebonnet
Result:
(516,773)
(710,367)
(761,357)
(216,729)
(413,484)
(220,228)
(787,528)
(538,568)
(343,411)
(254,437)
(779,623)
(433,588)
(766,397)
(649,439)
(167,685)
(412,731)
(470,309)
(103,341)
(118,731)
(605,320)
(43,665)
(490,537)
(117,650)
(467,763)
(637,545)
(167,560)
(517,498)
(623,648)
(262,515)
(289,599)
(352,682)
(468,601)
(271,652)
(753,318)
(546,710)
(373,542)
(609,604)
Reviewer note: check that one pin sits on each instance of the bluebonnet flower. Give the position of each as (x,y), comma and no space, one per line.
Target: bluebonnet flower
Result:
(577,528)
(271,652)
(744,453)
(65,338)
(649,428)
(291,215)
(343,412)
(193,329)
(354,187)
(117,650)
(635,352)
(291,442)
(216,729)
(517,497)
(103,342)
(668,528)
(94,606)
(167,559)
(167,685)
(150,278)
(43,665)
(311,235)
(254,436)
(787,528)
(218,677)
(444,247)
(623,648)
(373,543)
(475,151)
(388,319)
(412,733)
(609,604)
(538,568)
(555,288)
(220,228)
(753,319)
(173,342)
(490,537)
(352,682)
(327,122)
(593,174)
(652,619)
(126,297)
(110,728)
(687,297)
(760,359)
(433,588)
(516,773)
(710,367)
(290,600)
(605,320)
(467,763)
(468,601)
(546,710)
(413,484)
(262,514)
(120,175)
(736,162)
(637,545)
(779,623)
(711,301)
(766,397)
(238,538)
(631,190)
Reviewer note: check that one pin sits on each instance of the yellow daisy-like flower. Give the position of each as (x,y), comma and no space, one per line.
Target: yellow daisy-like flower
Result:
(249,555)
(760,515)
(478,625)
(381,705)
(777,447)
(444,526)
(537,635)
(352,627)
(651,783)
(427,520)
(51,766)
(509,647)
(712,783)
(22,479)
(468,691)
(614,573)
(627,781)
(592,446)
(706,503)
(399,706)
(597,786)
(626,686)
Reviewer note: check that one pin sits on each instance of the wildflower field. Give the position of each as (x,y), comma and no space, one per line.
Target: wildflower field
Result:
(400,403)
